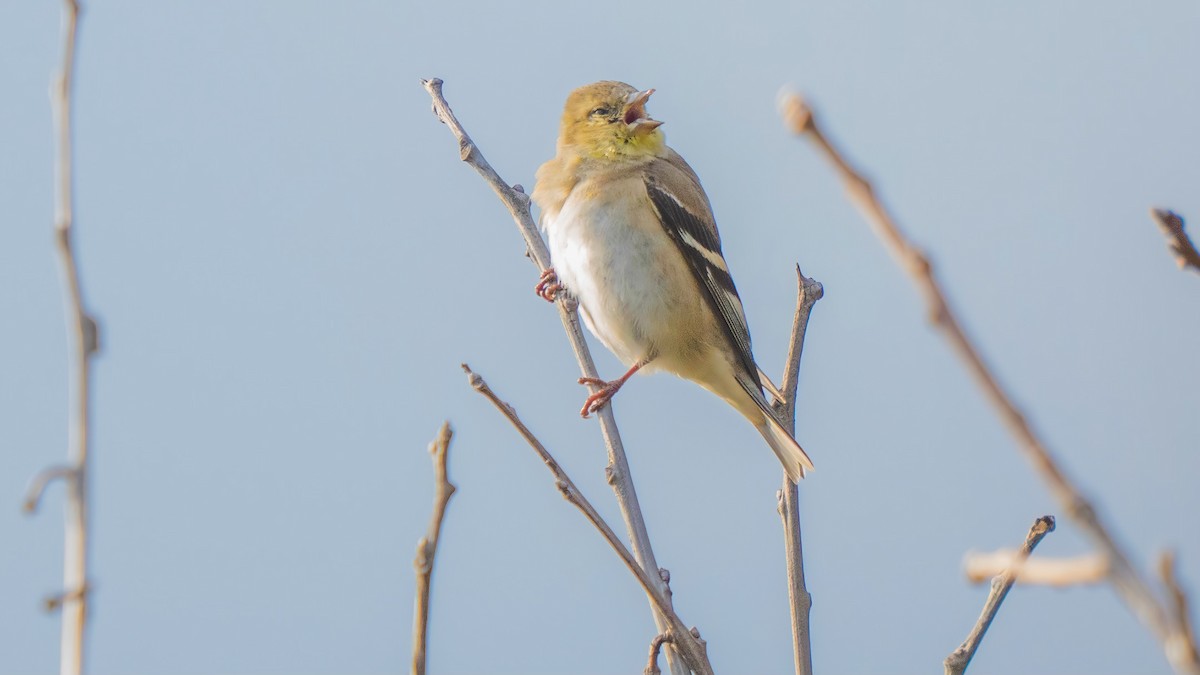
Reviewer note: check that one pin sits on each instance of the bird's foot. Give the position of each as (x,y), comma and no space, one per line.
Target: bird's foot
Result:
(548,286)
(607,389)
(601,398)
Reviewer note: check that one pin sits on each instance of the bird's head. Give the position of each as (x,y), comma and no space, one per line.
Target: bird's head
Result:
(608,120)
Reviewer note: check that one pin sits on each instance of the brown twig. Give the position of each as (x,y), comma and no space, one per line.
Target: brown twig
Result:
(1091,568)
(959,659)
(655,647)
(1178,242)
(691,648)
(42,480)
(427,546)
(1129,583)
(799,599)
(56,601)
(517,203)
(1185,636)
(73,600)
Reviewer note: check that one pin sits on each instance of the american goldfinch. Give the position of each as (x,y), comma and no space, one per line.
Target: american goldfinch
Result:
(632,237)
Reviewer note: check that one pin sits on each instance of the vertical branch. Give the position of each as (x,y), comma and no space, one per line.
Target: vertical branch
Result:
(73,599)
(808,292)
(799,599)
(1128,581)
(427,546)
(959,659)
(517,202)
(86,340)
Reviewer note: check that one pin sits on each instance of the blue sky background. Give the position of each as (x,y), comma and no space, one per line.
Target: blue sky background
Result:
(290,262)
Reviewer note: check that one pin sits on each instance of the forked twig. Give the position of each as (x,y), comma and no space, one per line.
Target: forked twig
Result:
(427,545)
(691,648)
(1129,583)
(1178,241)
(958,660)
(808,293)
(517,203)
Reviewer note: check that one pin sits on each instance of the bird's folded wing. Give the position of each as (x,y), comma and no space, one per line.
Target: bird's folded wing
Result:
(691,227)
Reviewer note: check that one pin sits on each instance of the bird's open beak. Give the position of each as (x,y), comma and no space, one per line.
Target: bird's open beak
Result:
(635,112)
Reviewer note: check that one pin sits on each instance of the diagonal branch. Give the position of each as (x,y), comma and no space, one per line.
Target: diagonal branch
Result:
(691,647)
(1129,583)
(427,546)
(959,659)
(1185,639)
(799,599)
(1178,242)
(517,203)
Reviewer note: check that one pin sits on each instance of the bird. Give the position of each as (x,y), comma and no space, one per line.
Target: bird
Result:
(633,240)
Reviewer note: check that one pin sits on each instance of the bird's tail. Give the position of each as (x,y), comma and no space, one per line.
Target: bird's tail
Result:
(754,407)
(795,461)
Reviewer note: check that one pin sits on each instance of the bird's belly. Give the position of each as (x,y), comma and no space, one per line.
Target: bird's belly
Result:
(637,294)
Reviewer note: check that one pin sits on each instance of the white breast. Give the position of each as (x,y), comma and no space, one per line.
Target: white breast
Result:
(637,294)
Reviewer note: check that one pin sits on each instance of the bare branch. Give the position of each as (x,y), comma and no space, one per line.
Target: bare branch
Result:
(1129,583)
(1185,637)
(655,647)
(427,546)
(959,659)
(799,599)
(1178,242)
(1084,569)
(1079,570)
(517,203)
(84,332)
(690,647)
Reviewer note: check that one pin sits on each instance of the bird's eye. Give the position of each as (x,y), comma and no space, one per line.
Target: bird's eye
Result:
(601,112)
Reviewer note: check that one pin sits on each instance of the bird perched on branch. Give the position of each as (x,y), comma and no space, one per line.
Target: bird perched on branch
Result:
(632,237)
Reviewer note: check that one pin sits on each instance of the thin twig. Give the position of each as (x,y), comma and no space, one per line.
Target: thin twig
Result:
(799,599)
(73,600)
(1091,568)
(959,659)
(427,546)
(691,648)
(655,647)
(54,602)
(41,480)
(808,292)
(517,203)
(1185,637)
(1178,242)
(1129,583)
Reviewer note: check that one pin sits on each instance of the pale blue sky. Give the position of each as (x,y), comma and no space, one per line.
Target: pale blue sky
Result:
(290,262)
